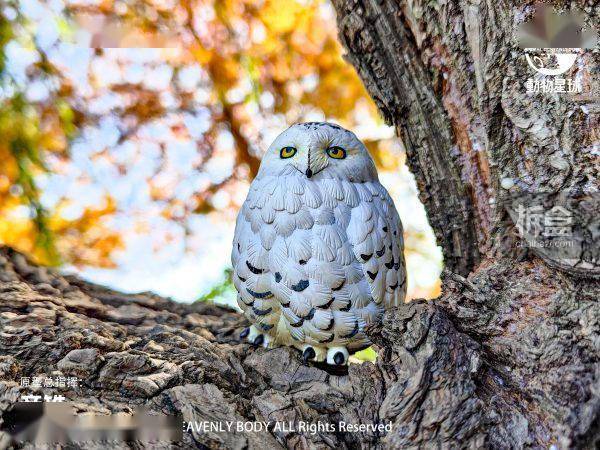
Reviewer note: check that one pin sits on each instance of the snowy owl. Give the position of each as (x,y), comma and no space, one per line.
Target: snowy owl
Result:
(318,247)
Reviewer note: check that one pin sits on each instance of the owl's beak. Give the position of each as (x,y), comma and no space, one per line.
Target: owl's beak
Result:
(308,173)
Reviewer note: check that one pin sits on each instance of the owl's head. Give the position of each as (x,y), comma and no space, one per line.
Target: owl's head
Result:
(319,150)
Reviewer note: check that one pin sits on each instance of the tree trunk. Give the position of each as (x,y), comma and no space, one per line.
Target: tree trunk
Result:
(450,77)
(506,358)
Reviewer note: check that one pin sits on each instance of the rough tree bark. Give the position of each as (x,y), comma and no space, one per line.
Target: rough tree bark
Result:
(506,358)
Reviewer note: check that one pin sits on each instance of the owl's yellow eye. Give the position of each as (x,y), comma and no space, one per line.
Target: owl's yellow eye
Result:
(287,152)
(336,152)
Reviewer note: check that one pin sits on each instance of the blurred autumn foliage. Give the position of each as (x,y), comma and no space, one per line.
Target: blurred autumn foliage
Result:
(254,60)
(30,133)
(229,74)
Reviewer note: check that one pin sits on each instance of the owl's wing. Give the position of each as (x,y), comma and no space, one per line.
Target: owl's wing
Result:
(250,260)
(375,232)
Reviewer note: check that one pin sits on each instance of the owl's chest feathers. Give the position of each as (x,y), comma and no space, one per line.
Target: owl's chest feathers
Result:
(298,233)
(303,202)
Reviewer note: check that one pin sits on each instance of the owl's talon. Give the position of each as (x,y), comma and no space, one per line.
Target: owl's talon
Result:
(252,334)
(309,353)
(337,356)
(312,353)
(259,340)
(256,337)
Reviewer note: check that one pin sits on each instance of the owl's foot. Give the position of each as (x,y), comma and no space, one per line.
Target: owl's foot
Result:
(256,337)
(315,354)
(337,356)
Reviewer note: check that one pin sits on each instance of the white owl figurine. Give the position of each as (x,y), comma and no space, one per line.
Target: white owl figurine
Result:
(318,246)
